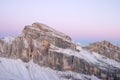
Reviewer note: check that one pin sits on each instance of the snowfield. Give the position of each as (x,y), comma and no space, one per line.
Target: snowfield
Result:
(18,70)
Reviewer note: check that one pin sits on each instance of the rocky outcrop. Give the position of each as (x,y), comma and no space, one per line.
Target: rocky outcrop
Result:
(107,49)
(47,47)
(35,37)
(41,32)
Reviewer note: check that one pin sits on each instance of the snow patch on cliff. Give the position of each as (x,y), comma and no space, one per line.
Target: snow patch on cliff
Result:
(8,39)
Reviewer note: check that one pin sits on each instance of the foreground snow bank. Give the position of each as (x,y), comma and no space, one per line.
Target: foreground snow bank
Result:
(18,70)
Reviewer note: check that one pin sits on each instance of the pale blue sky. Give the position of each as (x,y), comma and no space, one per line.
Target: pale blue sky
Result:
(89,20)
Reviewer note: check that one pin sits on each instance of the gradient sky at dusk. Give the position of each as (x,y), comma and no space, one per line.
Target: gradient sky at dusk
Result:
(84,20)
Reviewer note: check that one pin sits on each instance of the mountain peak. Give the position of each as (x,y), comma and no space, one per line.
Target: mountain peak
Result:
(106,48)
(42,26)
(106,44)
(37,29)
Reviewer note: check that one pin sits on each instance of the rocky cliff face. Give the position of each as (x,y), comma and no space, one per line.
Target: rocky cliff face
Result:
(107,49)
(37,37)
(50,48)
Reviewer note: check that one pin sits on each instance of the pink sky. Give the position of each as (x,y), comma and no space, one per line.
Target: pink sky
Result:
(81,19)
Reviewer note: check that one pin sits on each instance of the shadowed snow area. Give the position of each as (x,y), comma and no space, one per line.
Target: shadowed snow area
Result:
(18,70)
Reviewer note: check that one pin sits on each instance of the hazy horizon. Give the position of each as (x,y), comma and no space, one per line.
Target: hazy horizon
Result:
(85,21)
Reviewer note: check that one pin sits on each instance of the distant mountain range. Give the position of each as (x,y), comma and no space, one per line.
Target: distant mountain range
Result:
(42,53)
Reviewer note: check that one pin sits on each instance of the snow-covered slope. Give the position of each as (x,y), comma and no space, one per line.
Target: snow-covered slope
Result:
(18,70)
(91,57)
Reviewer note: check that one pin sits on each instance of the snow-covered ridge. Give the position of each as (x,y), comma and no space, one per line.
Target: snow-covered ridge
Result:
(8,39)
(18,70)
(91,57)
